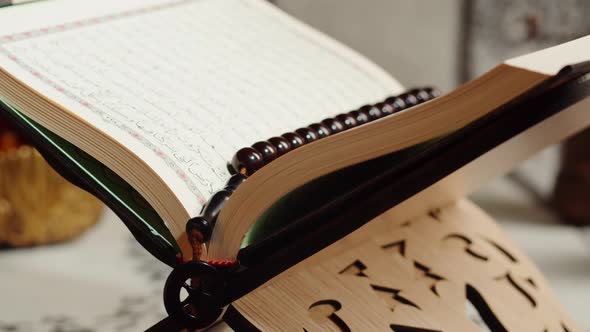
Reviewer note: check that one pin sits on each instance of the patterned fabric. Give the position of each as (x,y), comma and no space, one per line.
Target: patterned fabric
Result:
(104,281)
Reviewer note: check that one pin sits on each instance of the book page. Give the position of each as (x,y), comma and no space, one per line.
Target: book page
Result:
(185,84)
(551,60)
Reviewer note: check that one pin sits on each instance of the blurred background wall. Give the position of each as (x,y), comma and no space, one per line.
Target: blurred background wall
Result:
(444,42)
(417,41)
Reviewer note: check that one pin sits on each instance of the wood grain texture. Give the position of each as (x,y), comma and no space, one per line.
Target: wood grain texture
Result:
(412,275)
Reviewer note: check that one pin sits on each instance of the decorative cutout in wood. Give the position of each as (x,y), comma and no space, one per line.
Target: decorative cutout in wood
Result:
(357,269)
(325,310)
(420,275)
(399,246)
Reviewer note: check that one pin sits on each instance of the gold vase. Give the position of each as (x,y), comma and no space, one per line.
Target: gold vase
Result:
(37,205)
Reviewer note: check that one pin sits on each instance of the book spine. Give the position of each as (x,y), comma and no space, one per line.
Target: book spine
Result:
(248,160)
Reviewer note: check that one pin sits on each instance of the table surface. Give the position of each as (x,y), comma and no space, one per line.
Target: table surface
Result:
(105,281)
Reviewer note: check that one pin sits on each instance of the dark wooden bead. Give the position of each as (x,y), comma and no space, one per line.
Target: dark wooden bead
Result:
(234,182)
(230,169)
(360,118)
(409,99)
(294,139)
(375,113)
(281,144)
(334,125)
(397,103)
(348,120)
(385,108)
(372,112)
(421,94)
(267,150)
(248,160)
(308,134)
(320,130)
(433,92)
(200,225)
(214,205)
(365,110)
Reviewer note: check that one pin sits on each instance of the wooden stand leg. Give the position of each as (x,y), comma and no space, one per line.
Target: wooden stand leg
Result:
(440,272)
(572,188)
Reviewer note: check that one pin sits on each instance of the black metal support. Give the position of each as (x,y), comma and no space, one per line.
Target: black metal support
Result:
(204,285)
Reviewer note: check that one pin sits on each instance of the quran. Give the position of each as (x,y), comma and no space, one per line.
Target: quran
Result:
(231,138)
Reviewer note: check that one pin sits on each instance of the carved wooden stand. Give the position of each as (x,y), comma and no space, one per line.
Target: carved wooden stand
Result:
(410,276)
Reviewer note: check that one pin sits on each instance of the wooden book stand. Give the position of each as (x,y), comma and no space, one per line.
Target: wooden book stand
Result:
(443,271)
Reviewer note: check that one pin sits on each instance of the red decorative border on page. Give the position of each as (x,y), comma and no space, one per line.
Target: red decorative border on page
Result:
(98,20)
(89,22)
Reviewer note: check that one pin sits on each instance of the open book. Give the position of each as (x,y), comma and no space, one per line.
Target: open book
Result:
(145,103)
